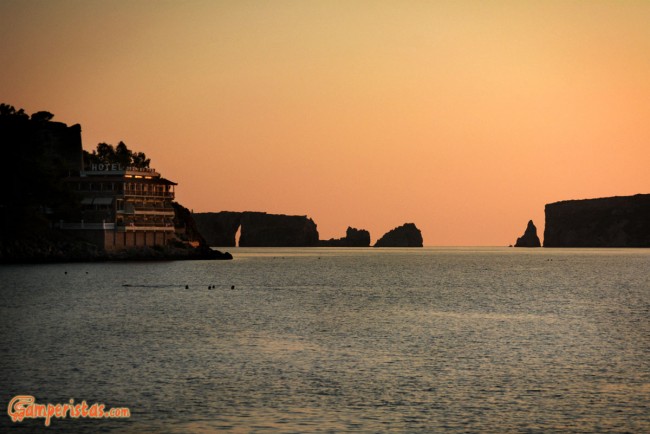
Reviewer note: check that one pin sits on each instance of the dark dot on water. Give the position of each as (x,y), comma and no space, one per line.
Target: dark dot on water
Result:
(65,272)
(232,287)
(187,287)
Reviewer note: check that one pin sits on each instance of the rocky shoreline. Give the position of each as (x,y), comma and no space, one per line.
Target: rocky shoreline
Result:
(58,248)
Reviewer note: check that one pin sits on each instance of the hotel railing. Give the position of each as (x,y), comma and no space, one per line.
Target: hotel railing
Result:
(148,194)
(84,225)
(111,226)
(165,195)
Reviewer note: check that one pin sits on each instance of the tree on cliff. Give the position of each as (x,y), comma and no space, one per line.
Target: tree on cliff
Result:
(7,111)
(120,154)
(34,187)
(42,116)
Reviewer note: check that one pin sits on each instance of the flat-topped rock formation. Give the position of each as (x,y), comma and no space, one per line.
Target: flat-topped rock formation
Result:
(407,235)
(218,228)
(258,229)
(529,238)
(353,238)
(621,221)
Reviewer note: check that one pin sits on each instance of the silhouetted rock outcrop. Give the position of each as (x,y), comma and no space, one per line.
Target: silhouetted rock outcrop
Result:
(353,238)
(621,221)
(258,229)
(219,228)
(529,238)
(407,235)
(187,233)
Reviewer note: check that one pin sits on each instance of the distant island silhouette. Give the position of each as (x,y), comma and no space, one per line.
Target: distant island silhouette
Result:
(259,229)
(353,238)
(407,235)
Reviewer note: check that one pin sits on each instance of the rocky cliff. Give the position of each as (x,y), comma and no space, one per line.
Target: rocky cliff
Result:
(622,221)
(218,228)
(529,238)
(258,229)
(353,238)
(189,237)
(407,235)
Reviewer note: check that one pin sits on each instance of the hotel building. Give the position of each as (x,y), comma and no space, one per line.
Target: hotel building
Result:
(123,207)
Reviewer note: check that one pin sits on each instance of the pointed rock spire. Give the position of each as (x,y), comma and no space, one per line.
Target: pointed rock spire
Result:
(529,238)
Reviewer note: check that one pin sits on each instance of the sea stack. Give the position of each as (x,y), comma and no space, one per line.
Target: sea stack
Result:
(529,238)
(407,235)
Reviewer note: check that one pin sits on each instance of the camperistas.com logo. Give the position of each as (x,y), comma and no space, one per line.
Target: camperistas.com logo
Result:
(23,407)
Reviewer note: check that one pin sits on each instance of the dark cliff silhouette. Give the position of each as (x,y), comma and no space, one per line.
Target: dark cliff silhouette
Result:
(258,229)
(407,235)
(621,221)
(38,155)
(353,238)
(529,238)
(219,228)
(187,231)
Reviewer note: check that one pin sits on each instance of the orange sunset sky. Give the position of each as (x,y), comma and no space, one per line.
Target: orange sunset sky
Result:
(464,117)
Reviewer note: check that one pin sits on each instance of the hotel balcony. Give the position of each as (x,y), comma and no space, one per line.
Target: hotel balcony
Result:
(117,227)
(146,194)
(148,212)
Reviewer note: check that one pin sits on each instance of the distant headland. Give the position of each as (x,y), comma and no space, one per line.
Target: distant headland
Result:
(65,204)
(619,221)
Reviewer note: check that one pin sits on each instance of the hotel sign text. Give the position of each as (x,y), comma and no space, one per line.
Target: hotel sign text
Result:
(105,167)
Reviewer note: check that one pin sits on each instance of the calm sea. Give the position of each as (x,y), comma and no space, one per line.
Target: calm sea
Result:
(337,340)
